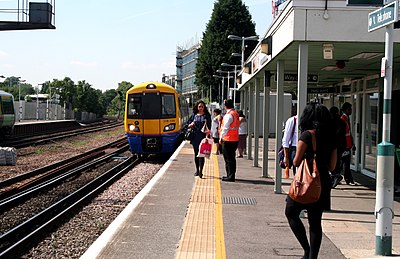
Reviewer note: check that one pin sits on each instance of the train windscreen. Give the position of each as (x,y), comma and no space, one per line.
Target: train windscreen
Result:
(151,106)
(7,106)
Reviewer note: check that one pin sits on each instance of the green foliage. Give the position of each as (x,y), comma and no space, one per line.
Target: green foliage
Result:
(228,17)
(16,87)
(117,104)
(80,97)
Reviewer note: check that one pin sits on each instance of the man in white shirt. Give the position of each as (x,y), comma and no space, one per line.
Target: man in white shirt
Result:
(289,141)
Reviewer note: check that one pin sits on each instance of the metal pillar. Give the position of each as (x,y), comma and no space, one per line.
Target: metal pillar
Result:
(302,80)
(280,70)
(250,122)
(256,119)
(384,213)
(356,130)
(267,86)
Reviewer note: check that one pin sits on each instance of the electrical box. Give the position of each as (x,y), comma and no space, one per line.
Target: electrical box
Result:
(40,13)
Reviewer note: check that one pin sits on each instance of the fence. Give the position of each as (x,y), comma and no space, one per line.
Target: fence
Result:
(49,111)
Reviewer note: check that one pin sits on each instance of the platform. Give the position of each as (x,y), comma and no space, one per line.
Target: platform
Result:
(181,216)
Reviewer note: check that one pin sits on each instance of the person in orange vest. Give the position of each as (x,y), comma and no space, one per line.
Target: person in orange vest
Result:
(229,139)
(346,156)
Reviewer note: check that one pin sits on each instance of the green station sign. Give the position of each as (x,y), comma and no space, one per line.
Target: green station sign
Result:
(383,16)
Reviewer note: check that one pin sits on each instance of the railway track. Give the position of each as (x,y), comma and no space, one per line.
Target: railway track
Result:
(20,142)
(20,183)
(17,191)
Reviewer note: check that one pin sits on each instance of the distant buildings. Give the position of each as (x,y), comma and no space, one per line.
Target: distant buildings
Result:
(186,59)
(169,79)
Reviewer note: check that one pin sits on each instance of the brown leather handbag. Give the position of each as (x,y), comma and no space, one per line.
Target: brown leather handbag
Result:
(306,183)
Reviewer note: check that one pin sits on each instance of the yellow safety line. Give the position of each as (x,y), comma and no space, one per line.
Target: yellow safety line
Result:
(219,223)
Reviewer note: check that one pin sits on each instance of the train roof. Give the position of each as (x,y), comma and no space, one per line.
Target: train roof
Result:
(2,93)
(152,86)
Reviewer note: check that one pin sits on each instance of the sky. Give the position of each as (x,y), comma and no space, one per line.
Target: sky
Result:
(105,42)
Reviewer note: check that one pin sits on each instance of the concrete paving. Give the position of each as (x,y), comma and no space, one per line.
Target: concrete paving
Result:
(252,215)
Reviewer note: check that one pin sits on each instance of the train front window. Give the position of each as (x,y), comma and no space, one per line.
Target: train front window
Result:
(151,106)
(134,106)
(7,106)
(168,106)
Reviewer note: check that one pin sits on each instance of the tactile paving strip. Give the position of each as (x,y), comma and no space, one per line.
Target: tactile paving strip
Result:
(198,238)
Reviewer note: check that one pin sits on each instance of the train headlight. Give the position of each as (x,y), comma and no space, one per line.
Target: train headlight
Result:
(169,127)
(134,128)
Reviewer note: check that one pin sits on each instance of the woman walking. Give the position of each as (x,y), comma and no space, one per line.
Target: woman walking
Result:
(200,117)
(315,117)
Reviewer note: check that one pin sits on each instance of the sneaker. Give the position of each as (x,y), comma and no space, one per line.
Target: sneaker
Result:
(351,183)
(336,180)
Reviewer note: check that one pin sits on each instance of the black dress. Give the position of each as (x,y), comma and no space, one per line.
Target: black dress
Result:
(323,155)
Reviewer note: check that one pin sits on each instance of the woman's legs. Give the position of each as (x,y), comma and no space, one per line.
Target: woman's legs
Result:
(201,166)
(292,213)
(196,160)
(314,220)
(199,162)
(216,142)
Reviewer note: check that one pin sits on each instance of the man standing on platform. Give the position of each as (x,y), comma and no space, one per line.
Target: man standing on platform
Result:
(346,156)
(229,139)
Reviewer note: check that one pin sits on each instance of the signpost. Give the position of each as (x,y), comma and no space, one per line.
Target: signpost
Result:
(383,16)
(384,214)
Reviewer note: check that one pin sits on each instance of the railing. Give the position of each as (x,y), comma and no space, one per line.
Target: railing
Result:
(27,14)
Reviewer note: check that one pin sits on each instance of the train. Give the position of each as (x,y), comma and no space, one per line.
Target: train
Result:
(7,113)
(154,119)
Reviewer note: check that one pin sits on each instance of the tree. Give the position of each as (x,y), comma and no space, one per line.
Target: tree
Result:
(13,85)
(118,103)
(228,17)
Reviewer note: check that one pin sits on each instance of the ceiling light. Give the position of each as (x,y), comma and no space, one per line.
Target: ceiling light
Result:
(330,68)
(367,55)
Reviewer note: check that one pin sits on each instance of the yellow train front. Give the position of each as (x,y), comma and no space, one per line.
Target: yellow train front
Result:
(155,115)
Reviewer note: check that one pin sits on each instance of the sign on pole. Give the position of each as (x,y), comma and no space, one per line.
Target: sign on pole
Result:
(383,16)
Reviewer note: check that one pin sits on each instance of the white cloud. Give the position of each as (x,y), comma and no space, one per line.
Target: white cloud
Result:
(3,55)
(165,65)
(8,66)
(83,64)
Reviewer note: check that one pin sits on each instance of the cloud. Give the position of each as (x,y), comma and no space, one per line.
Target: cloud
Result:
(255,2)
(8,66)
(165,65)
(139,14)
(83,64)
(3,55)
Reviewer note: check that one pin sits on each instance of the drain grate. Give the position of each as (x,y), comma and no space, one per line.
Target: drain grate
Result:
(239,200)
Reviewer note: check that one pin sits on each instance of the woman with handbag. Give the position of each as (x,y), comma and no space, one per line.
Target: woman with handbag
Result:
(315,123)
(201,116)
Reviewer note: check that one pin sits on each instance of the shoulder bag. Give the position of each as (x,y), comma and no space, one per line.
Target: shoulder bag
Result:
(189,134)
(306,183)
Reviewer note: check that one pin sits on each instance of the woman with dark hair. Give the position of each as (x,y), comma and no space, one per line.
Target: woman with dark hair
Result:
(200,116)
(215,128)
(315,117)
(242,134)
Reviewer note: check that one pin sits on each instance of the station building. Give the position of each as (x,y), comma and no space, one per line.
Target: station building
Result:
(322,51)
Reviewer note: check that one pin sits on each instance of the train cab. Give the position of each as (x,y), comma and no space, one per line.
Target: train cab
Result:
(153,118)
